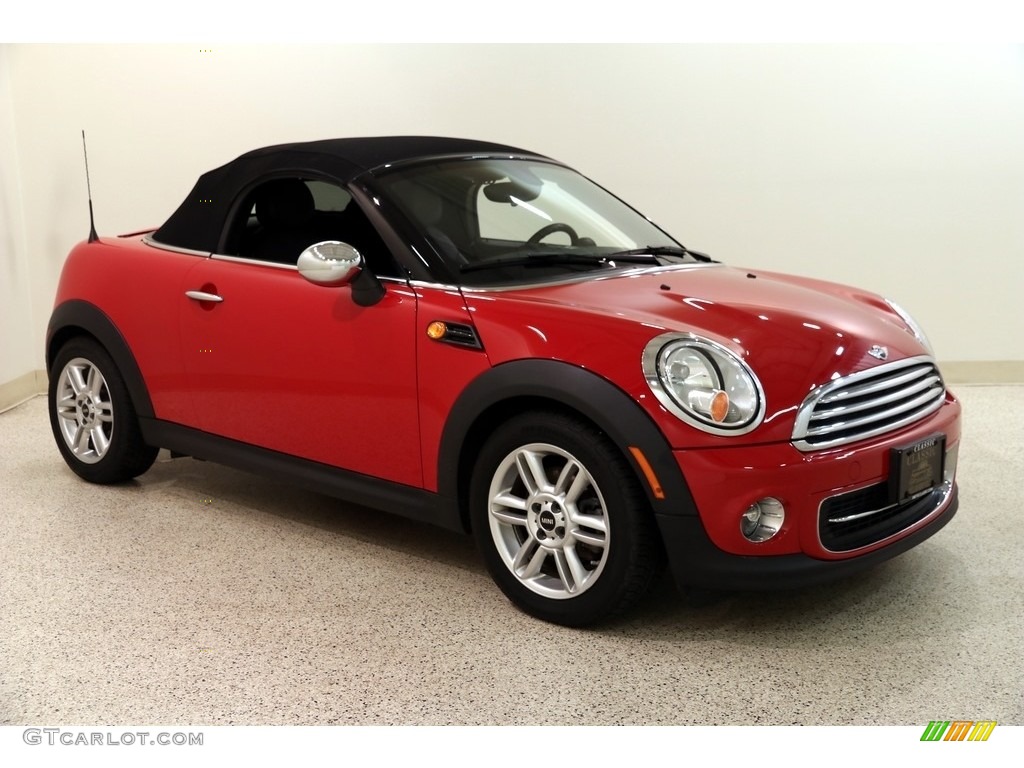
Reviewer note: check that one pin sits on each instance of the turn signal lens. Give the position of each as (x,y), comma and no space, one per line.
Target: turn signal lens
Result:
(711,403)
(719,406)
(436,330)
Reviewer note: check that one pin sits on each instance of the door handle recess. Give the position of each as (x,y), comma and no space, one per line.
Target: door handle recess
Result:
(203,296)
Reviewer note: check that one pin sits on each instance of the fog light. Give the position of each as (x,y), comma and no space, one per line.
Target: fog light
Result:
(762,520)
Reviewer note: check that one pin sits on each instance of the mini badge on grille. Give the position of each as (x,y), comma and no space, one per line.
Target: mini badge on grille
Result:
(882,353)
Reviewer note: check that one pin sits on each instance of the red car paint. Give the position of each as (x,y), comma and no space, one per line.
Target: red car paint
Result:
(289,366)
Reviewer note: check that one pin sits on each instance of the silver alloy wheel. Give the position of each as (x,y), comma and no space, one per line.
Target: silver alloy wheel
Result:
(549,521)
(84,410)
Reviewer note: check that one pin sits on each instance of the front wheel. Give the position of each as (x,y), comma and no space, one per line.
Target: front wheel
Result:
(92,416)
(564,527)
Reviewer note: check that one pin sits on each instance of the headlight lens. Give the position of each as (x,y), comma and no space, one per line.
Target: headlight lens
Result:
(703,383)
(912,325)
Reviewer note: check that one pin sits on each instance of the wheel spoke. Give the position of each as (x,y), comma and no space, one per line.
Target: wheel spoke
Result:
(572,481)
(571,574)
(75,380)
(570,471)
(100,440)
(525,565)
(105,412)
(507,499)
(536,563)
(67,412)
(579,484)
(80,440)
(587,537)
(93,381)
(563,571)
(531,471)
(579,572)
(593,522)
(509,516)
(523,554)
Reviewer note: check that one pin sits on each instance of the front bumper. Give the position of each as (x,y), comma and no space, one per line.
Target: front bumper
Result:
(820,490)
(697,562)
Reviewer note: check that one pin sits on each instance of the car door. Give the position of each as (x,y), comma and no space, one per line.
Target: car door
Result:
(280,363)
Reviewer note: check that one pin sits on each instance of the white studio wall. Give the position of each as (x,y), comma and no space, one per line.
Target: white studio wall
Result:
(19,355)
(896,168)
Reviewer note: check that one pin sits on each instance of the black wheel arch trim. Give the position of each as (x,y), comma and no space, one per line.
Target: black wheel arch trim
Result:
(77,313)
(605,405)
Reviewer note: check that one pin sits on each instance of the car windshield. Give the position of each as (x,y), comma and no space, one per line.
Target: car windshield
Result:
(496,220)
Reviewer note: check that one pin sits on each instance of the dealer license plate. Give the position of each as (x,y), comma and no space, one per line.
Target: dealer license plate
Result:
(914,469)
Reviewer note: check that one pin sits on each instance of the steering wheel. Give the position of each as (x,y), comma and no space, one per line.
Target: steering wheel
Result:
(550,229)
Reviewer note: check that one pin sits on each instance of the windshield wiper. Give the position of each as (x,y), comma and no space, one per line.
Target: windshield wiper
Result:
(556,258)
(662,250)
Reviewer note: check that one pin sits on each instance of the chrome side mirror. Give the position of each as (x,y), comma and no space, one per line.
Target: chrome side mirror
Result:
(330,263)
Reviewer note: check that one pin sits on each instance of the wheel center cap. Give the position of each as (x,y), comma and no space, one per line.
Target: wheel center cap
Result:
(546,520)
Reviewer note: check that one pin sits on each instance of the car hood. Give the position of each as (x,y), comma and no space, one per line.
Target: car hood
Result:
(796,333)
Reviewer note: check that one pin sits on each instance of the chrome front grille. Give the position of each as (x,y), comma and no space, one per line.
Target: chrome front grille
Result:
(869,403)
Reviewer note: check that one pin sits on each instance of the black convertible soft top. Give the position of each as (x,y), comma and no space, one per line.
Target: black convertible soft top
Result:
(199,221)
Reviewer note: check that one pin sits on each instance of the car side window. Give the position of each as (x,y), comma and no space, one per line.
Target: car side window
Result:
(328,197)
(282,217)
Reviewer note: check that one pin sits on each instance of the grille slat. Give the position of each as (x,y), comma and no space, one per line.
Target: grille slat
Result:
(841,528)
(823,413)
(869,403)
(901,409)
(886,382)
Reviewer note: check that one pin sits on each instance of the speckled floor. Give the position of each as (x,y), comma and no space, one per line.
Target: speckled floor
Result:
(202,595)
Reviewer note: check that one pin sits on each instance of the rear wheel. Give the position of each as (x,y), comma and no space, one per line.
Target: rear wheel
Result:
(92,416)
(565,528)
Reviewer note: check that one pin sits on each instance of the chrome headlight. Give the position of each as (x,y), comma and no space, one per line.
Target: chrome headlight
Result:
(703,383)
(912,325)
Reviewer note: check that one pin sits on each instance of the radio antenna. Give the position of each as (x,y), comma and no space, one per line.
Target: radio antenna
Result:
(93,237)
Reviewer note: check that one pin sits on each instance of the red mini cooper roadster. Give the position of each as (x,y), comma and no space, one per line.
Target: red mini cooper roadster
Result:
(479,337)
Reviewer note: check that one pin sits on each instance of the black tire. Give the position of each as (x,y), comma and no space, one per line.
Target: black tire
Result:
(96,429)
(521,528)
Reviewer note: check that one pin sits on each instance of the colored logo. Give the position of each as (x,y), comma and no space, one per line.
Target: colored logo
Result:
(958,730)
